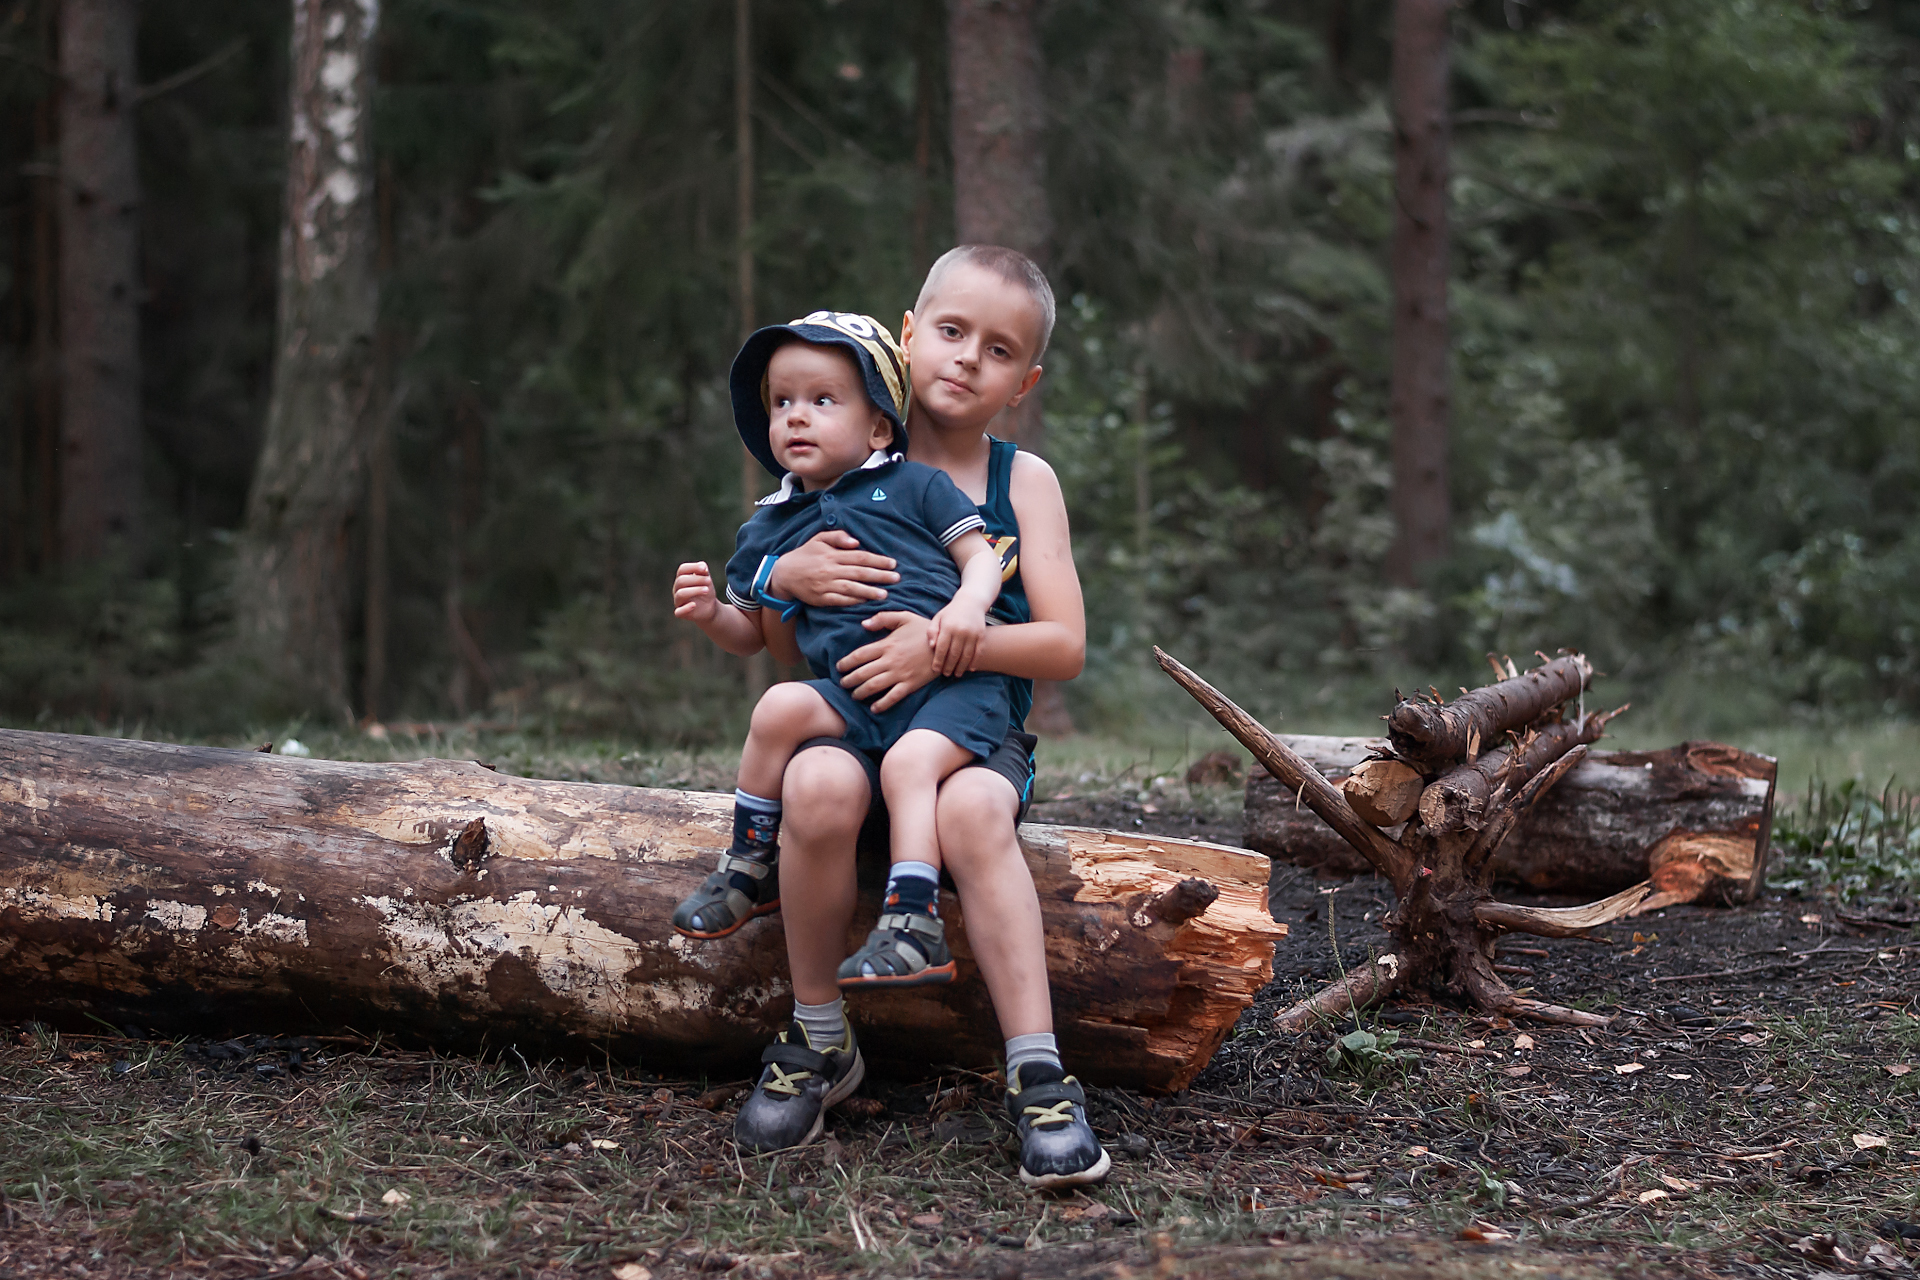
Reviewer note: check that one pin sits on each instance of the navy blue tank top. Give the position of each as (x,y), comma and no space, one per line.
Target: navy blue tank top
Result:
(1003,531)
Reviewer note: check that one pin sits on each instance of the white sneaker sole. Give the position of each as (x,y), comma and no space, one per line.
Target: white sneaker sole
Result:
(1052,1181)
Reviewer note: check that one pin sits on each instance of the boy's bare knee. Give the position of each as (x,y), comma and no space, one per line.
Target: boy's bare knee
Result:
(825,781)
(974,815)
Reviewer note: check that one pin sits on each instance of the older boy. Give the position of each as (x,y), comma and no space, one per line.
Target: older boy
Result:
(820,403)
(974,338)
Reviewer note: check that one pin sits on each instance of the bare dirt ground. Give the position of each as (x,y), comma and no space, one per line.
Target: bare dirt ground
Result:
(1751,1112)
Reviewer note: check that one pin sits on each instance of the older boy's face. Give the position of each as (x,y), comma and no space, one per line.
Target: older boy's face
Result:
(970,348)
(821,423)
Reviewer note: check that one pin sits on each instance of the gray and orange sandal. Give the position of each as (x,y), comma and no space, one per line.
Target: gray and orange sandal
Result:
(720,906)
(905,949)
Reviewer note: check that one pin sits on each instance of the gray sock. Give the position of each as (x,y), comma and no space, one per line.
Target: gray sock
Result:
(1038,1047)
(825,1024)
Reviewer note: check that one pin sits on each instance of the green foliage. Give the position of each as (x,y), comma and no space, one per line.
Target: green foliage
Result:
(1847,840)
(1687,356)
(1364,1052)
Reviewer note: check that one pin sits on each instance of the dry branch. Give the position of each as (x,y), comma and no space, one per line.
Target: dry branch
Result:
(1383,792)
(1311,788)
(1457,799)
(1428,733)
(1695,819)
(1445,924)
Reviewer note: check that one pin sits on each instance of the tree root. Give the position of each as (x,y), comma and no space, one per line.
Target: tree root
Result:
(1360,989)
(1541,1011)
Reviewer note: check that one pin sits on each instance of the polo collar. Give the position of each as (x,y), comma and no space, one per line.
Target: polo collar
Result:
(788,486)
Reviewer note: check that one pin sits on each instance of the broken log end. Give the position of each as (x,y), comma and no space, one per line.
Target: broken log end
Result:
(1179,904)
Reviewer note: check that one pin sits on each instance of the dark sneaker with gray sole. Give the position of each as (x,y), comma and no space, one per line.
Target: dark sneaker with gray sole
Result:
(788,1105)
(1057,1146)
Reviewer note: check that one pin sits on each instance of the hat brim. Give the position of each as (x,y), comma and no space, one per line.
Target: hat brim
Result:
(746,384)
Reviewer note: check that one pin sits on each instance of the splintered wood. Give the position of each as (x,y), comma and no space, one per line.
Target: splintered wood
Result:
(195,889)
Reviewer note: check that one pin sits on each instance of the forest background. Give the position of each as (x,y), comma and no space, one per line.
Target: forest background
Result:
(1685,359)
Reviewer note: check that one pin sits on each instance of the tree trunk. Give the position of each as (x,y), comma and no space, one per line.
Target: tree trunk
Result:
(188,888)
(99,232)
(999,120)
(998,111)
(293,582)
(1695,819)
(1420,396)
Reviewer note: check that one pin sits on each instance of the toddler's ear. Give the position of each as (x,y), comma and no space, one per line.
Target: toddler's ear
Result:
(881,436)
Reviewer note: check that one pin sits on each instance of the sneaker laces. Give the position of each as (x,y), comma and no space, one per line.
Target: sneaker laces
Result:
(785,1083)
(1047,1117)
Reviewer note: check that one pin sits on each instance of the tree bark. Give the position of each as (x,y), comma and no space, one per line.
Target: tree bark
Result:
(194,889)
(292,587)
(1420,398)
(1695,819)
(999,119)
(1426,732)
(99,233)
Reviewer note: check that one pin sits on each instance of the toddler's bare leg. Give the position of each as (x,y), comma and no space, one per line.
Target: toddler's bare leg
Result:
(908,945)
(910,778)
(786,716)
(745,884)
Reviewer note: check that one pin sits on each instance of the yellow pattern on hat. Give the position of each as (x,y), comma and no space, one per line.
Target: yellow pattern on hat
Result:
(879,343)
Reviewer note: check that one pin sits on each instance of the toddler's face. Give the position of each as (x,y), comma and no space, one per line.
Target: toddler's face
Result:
(971,346)
(822,424)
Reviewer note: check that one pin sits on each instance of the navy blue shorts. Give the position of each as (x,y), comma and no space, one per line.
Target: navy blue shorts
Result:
(971,711)
(1012,760)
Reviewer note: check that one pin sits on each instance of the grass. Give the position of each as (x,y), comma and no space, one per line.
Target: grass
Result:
(241,1160)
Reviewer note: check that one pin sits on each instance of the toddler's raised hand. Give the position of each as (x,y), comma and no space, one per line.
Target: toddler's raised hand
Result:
(693,597)
(955,635)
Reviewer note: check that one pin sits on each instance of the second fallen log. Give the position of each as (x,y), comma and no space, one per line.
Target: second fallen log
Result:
(1696,819)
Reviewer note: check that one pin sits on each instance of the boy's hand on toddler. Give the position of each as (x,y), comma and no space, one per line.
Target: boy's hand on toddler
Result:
(893,665)
(954,636)
(829,570)
(693,595)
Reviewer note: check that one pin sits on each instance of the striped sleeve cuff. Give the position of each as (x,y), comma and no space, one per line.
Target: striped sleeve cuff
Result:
(962,526)
(740,602)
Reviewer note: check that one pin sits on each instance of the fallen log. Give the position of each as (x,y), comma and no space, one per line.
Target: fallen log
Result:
(1696,819)
(191,889)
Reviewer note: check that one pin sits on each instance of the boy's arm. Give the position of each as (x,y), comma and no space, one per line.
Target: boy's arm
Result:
(734,629)
(1054,645)
(957,630)
(1051,647)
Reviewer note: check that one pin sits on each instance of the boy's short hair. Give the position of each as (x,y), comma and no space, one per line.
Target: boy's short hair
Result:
(1010,265)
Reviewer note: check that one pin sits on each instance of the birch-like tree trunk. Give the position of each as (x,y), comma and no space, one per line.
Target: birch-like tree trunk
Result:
(98,210)
(294,578)
(1420,396)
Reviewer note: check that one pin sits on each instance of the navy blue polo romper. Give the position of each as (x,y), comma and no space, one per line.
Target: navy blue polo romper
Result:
(911,512)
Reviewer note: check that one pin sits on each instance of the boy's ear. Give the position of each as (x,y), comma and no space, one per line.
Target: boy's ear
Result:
(906,330)
(880,436)
(1026,384)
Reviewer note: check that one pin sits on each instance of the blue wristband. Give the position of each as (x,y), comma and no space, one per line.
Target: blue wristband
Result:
(761,578)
